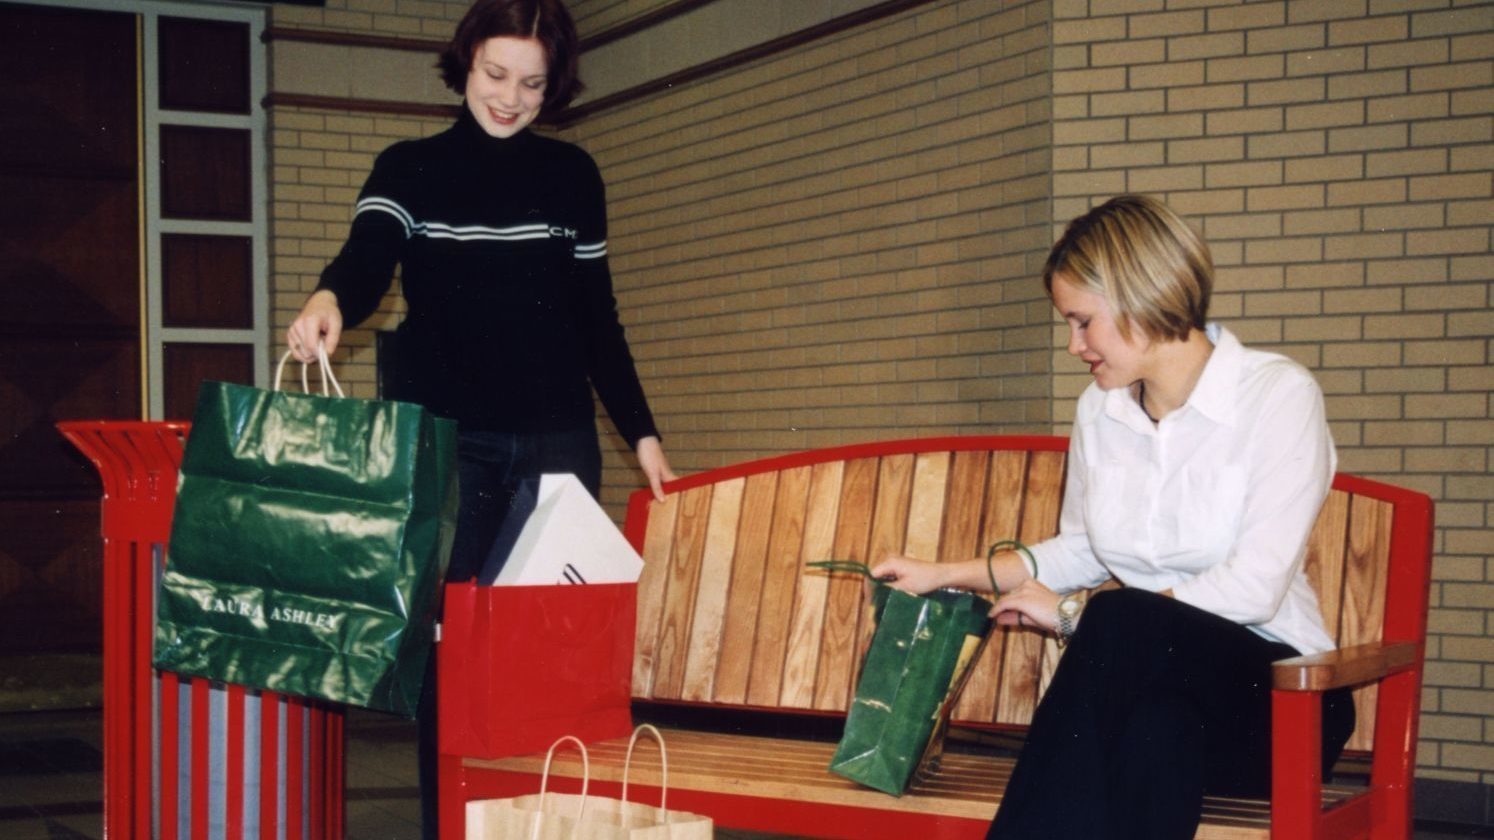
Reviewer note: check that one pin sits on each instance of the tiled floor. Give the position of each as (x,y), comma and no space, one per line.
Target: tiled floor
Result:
(50,780)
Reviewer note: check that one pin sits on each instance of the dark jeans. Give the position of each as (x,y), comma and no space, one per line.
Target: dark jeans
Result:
(1155,704)
(491,465)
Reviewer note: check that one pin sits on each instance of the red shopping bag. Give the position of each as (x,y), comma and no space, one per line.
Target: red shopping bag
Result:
(520,666)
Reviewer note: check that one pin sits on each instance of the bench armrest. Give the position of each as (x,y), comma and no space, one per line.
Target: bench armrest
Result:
(1344,667)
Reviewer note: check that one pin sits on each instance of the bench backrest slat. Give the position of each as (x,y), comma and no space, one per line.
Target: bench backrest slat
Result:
(807,626)
(759,583)
(837,662)
(1362,592)
(728,614)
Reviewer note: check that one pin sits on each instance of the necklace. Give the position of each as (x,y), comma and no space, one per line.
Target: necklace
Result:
(1141,401)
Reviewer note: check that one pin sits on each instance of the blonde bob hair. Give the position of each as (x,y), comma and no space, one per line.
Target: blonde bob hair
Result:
(1147,263)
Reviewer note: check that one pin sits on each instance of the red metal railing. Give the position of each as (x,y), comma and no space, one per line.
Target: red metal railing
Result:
(179,753)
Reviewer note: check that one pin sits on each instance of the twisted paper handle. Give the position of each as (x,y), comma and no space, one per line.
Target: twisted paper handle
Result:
(322,361)
(539,821)
(663,763)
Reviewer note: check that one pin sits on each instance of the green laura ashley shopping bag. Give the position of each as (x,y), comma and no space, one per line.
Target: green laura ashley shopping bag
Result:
(308,544)
(920,654)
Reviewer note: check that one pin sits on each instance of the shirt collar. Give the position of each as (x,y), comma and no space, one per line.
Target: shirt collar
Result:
(1213,396)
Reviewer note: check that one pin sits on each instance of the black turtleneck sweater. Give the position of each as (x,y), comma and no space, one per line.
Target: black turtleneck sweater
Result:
(502,246)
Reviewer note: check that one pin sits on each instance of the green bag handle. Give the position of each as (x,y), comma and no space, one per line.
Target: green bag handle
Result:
(880,589)
(865,570)
(844,566)
(1015,545)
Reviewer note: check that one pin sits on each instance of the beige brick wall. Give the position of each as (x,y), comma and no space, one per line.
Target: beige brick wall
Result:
(841,242)
(836,244)
(426,19)
(593,16)
(833,245)
(319,161)
(1338,157)
(437,18)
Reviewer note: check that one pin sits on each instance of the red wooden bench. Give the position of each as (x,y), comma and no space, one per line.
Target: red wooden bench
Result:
(733,633)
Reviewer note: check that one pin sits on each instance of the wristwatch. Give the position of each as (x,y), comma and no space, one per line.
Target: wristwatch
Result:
(1069,607)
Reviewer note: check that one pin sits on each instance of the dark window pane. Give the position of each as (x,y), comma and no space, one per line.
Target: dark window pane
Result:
(205,173)
(187,366)
(207,281)
(204,65)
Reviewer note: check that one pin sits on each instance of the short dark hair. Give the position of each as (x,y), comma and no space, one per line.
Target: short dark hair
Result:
(546,21)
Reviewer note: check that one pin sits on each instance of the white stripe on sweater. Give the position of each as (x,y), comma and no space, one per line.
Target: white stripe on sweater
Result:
(476,233)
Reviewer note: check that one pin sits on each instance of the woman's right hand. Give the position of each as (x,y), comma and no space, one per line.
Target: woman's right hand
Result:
(1029,603)
(320,321)
(909,575)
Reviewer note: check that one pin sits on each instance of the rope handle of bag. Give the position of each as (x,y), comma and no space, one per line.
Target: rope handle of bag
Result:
(324,363)
(545,782)
(865,570)
(1014,545)
(663,767)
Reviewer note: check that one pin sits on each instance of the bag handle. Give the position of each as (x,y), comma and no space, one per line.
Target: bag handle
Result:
(865,570)
(322,361)
(663,763)
(852,566)
(539,821)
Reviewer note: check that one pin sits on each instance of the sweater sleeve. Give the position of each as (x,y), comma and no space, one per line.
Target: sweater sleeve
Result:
(609,360)
(363,270)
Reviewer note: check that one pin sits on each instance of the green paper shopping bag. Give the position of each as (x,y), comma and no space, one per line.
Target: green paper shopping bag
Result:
(308,544)
(920,654)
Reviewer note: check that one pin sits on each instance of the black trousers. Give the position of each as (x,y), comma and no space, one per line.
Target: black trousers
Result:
(491,465)
(1154,704)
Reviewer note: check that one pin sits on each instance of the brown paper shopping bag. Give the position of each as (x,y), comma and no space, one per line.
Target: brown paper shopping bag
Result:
(566,816)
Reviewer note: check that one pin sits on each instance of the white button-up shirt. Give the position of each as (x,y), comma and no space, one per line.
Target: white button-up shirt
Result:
(1215,502)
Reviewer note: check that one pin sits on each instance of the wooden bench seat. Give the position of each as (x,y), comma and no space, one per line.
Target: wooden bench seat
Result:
(732,625)
(707,769)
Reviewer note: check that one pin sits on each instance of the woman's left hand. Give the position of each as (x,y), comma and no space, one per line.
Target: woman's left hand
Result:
(654,465)
(1029,604)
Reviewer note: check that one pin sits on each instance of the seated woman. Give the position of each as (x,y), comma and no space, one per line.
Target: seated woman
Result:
(1196,469)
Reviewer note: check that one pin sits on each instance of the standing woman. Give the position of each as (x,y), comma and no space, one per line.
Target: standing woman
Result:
(1196,470)
(500,235)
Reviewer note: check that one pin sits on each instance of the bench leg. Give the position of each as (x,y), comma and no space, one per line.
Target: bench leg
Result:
(451,797)
(1296,764)
(1391,776)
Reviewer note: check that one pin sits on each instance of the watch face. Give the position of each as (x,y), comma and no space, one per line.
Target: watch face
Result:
(1068,607)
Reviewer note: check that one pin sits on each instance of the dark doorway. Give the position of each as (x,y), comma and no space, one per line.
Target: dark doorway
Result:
(70,304)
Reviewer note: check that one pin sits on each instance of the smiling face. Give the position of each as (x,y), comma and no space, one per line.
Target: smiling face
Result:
(506,85)
(1114,360)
